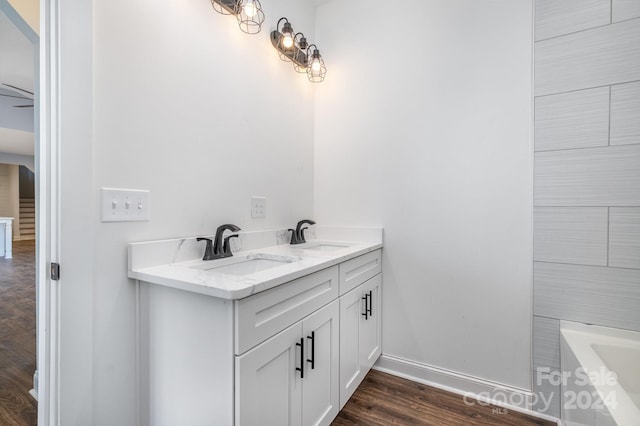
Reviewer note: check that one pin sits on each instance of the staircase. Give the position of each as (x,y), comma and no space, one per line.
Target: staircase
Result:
(27,219)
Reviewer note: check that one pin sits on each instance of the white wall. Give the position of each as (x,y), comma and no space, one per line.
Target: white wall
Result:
(423,126)
(181,102)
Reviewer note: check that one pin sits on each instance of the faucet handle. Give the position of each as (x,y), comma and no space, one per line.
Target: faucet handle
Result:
(208,250)
(302,239)
(294,236)
(226,247)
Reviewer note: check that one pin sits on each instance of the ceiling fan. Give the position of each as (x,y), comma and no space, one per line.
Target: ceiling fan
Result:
(24,94)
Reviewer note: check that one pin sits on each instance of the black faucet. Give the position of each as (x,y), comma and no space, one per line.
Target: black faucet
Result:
(220,248)
(297,235)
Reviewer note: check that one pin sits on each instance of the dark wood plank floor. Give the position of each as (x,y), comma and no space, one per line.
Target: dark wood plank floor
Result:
(383,400)
(18,335)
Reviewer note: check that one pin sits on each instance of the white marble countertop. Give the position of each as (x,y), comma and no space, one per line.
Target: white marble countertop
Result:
(166,263)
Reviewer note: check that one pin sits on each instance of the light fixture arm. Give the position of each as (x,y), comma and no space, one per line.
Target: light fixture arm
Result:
(280,20)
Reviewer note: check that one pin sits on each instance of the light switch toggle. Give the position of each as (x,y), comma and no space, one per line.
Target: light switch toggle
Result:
(125,205)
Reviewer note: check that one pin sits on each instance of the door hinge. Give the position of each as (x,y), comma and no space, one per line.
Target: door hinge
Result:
(55,271)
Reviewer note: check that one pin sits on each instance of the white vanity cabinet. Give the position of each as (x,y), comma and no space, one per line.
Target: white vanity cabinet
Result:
(289,355)
(292,378)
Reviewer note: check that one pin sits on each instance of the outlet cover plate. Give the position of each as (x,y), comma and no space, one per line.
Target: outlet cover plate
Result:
(258,207)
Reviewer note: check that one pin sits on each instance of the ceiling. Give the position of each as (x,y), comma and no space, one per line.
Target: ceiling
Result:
(16,69)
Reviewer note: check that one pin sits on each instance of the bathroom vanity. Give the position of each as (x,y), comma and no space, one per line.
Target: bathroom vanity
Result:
(275,335)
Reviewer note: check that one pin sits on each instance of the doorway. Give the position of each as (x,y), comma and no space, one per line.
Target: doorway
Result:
(19,50)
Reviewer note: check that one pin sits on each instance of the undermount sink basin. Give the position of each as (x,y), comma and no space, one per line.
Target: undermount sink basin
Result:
(325,247)
(247,265)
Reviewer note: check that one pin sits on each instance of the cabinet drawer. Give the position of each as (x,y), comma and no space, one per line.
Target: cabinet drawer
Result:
(356,271)
(263,315)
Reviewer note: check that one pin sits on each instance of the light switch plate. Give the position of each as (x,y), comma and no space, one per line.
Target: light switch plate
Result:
(125,205)
(258,207)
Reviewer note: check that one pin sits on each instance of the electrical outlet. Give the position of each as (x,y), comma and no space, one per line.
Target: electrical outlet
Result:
(258,207)
(125,205)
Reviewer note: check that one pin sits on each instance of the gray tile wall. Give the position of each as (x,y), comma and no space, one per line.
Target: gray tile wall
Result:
(624,237)
(588,294)
(625,9)
(570,235)
(607,176)
(587,173)
(601,56)
(625,113)
(554,18)
(572,120)
(547,393)
(546,347)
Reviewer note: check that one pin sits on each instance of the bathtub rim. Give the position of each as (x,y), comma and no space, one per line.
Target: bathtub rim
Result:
(579,338)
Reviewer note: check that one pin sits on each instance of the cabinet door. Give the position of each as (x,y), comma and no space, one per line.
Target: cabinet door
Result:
(360,335)
(320,388)
(351,374)
(370,329)
(268,386)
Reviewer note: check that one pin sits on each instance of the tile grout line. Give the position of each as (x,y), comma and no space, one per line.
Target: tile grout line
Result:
(580,148)
(586,29)
(608,228)
(610,11)
(586,88)
(549,262)
(576,206)
(609,135)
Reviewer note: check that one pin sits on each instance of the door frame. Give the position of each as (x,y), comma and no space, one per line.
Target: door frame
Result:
(48,213)
(47,202)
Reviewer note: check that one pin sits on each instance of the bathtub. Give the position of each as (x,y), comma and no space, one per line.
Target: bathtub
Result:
(600,375)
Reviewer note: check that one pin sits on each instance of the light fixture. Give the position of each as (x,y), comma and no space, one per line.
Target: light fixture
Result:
(306,58)
(316,70)
(283,40)
(300,53)
(249,13)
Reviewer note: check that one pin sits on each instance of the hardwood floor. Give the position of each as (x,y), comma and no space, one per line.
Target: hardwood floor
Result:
(383,399)
(18,335)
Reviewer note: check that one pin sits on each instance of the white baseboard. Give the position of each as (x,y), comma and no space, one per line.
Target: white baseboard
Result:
(472,389)
(33,393)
